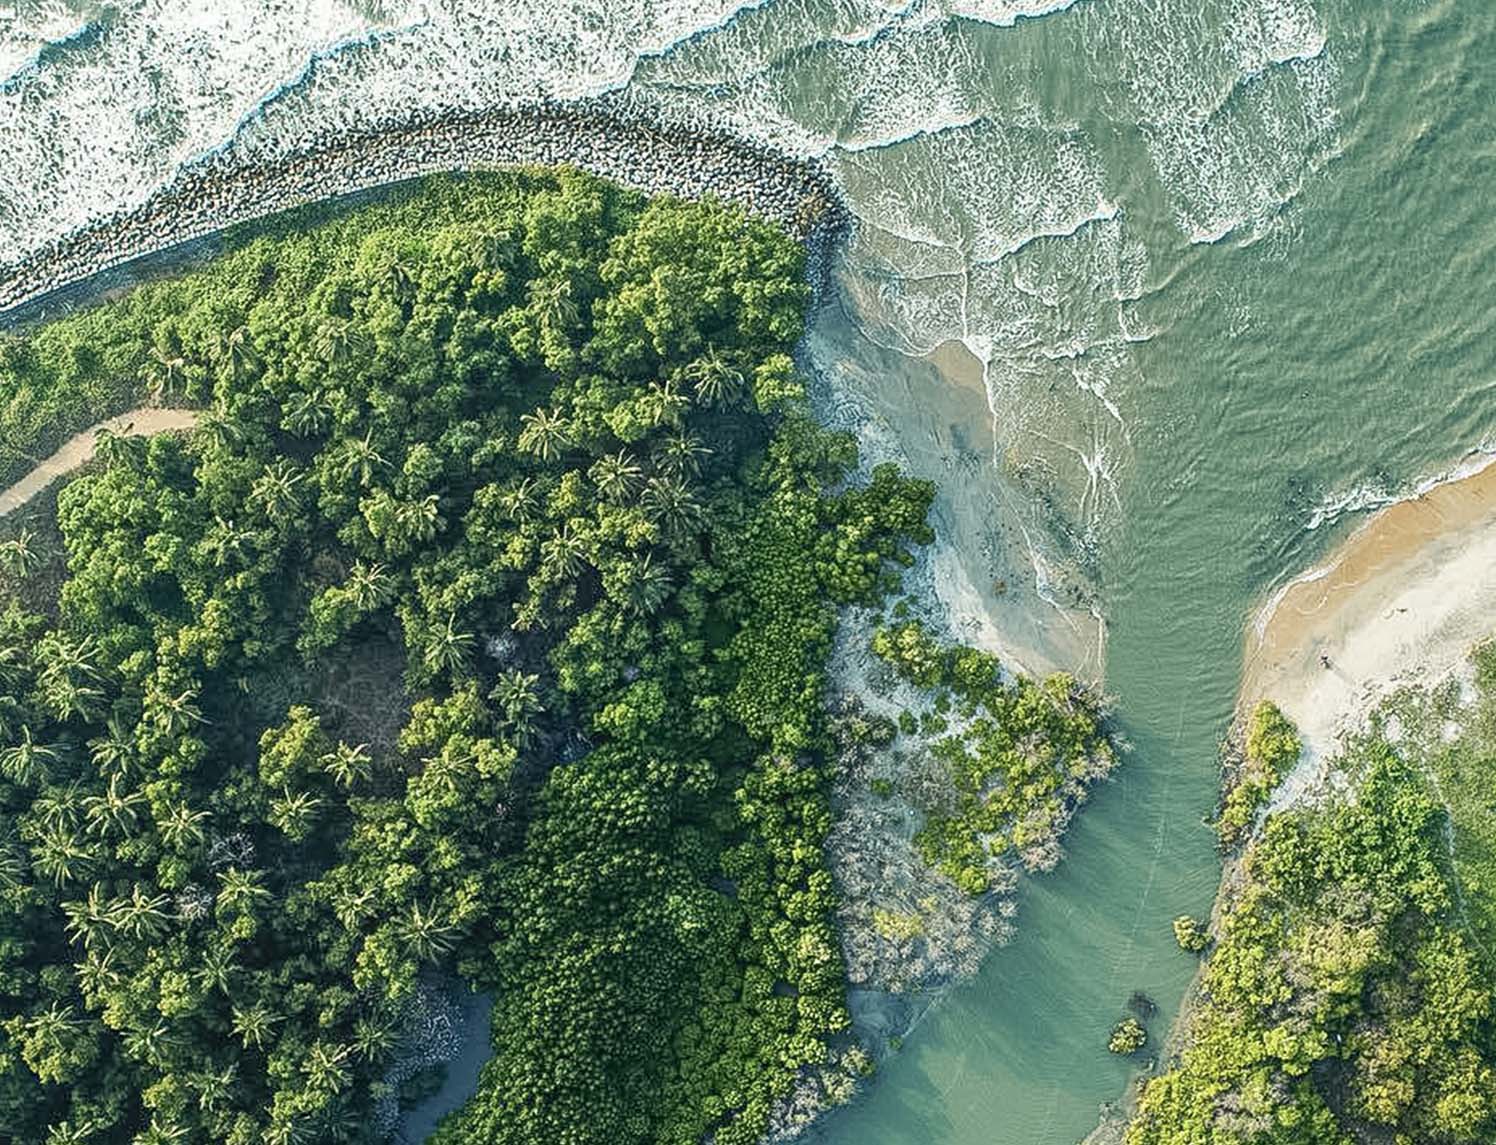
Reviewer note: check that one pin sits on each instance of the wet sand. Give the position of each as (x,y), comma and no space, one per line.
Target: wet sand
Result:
(1403,599)
(932,415)
(79,449)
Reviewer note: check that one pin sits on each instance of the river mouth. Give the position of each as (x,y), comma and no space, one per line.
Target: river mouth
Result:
(1198,421)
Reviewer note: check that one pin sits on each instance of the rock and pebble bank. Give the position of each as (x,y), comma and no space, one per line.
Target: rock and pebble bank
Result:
(600,136)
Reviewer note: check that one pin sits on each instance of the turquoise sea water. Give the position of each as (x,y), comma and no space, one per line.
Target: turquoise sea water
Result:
(1290,380)
(1228,265)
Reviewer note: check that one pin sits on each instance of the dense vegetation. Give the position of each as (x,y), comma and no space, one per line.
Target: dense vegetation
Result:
(1348,998)
(480,626)
(1019,755)
(1271,749)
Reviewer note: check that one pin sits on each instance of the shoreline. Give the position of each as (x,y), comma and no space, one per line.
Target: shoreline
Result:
(225,190)
(1401,599)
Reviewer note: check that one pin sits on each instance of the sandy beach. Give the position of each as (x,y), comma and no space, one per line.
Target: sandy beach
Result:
(1401,600)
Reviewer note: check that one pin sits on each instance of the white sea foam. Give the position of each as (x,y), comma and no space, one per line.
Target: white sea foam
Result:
(27,34)
(1366,497)
(987,213)
(1006,13)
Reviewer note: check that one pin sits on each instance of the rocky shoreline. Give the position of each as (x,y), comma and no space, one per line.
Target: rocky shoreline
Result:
(226,189)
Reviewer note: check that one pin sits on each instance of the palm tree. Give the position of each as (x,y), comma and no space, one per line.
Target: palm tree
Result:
(119,450)
(14,660)
(401,279)
(89,918)
(159,1132)
(236,352)
(254,1024)
(70,1133)
(664,404)
(173,714)
(143,916)
(447,650)
(165,374)
(424,934)
(114,752)
(563,555)
(181,827)
(545,434)
(96,973)
(149,1044)
(373,1038)
(646,587)
(338,340)
(419,521)
(669,503)
(490,250)
(28,762)
(617,477)
(21,555)
(325,1069)
(61,854)
(715,380)
(557,308)
(221,429)
(276,490)
(229,543)
(518,696)
(115,811)
(214,1087)
(361,460)
(240,890)
(293,812)
(521,502)
(681,455)
(65,697)
(12,868)
(69,674)
(348,765)
(354,907)
(58,806)
(307,413)
(217,968)
(370,586)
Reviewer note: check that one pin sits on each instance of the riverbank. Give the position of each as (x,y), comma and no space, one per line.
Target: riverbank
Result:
(600,136)
(1401,600)
(79,449)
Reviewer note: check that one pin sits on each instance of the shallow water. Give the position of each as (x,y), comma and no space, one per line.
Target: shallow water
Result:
(1227,264)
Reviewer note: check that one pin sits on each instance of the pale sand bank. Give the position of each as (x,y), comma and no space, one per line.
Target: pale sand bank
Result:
(932,415)
(1402,600)
(79,449)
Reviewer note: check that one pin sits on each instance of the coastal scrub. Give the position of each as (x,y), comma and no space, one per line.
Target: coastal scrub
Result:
(480,628)
(1272,748)
(1347,998)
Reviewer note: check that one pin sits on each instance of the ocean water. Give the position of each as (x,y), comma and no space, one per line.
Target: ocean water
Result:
(1224,265)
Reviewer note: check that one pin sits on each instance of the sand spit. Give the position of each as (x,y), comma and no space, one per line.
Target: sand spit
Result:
(79,449)
(932,416)
(601,136)
(1401,601)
